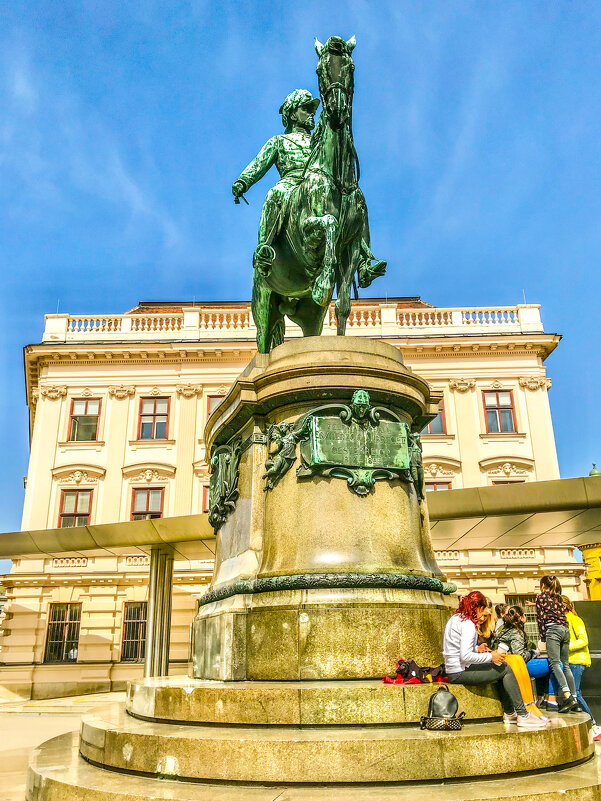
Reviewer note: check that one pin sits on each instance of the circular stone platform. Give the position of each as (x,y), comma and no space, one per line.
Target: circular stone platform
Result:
(57,773)
(340,754)
(294,703)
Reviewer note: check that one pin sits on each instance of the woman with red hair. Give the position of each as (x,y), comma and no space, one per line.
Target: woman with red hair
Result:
(470,664)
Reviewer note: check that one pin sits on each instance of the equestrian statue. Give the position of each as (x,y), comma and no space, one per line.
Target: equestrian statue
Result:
(314,229)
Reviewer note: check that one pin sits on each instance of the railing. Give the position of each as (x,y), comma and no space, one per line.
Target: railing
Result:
(376,319)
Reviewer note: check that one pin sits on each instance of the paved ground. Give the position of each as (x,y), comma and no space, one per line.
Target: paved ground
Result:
(26,724)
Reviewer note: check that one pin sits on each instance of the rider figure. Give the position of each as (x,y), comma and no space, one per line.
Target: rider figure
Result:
(289,152)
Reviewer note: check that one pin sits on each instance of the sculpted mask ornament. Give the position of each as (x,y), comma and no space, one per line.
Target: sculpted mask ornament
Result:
(462,384)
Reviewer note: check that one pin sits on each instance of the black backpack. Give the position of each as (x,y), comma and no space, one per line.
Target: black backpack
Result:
(442,712)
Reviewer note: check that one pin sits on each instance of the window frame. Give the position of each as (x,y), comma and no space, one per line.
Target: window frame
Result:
(441,410)
(434,484)
(147,490)
(86,400)
(167,424)
(504,481)
(210,396)
(64,641)
(517,599)
(139,641)
(497,408)
(76,490)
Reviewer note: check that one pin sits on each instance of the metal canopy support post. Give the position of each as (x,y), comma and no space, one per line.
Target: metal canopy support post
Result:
(158,627)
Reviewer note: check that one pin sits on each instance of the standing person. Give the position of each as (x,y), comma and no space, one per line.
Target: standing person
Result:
(500,610)
(468,663)
(579,661)
(553,629)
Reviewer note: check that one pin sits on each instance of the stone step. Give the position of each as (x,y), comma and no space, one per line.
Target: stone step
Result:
(329,754)
(307,703)
(58,773)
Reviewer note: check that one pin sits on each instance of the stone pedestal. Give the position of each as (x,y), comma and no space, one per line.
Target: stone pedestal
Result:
(324,571)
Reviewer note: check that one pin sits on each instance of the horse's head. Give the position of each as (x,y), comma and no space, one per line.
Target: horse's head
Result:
(335,73)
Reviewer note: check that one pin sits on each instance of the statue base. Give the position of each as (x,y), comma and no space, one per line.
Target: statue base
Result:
(324,566)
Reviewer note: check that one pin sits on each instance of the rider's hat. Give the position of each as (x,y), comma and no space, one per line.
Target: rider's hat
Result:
(300,97)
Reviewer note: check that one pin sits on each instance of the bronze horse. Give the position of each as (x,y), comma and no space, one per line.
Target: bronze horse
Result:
(323,241)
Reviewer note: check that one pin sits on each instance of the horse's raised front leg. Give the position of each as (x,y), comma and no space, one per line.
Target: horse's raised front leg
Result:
(266,314)
(325,280)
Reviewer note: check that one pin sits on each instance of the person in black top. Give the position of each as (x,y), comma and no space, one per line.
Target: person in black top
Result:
(553,629)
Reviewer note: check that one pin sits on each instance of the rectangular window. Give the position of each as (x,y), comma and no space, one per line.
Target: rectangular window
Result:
(62,640)
(508,481)
(133,645)
(147,503)
(84,420)
(499,411)
(76,506)
(205,500)
(213,402)
(154,418)
(437,486)
(438,425)
(531,627)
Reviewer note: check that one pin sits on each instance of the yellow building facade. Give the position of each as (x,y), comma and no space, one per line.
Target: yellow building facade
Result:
(118,405)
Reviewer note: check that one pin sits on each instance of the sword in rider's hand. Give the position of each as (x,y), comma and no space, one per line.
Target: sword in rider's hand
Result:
(237,200)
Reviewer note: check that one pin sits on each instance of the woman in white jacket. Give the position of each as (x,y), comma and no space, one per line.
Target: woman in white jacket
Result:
(470,664)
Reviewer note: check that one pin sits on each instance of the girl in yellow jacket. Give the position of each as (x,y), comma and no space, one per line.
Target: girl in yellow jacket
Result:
(580,659)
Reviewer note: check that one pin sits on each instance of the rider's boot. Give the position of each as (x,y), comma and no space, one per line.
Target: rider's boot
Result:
(367,271)
(264,255)
(263,258)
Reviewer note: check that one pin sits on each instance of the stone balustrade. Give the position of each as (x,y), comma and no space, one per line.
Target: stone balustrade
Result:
(376,319)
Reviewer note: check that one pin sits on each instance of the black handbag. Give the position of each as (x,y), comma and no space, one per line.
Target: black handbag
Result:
(442,712)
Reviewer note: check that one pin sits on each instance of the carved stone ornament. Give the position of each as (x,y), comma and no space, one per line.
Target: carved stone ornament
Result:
(223,484)
(435,469)
(462,384)
(533,383)
(497,385)
(121,392)
(72,474)
(148,473)
(189,390)
(77,477)
(52,393)
(358,442)
(155,391)
(508,469)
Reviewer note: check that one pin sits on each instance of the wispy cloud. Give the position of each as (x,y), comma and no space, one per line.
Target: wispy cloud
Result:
(52,144)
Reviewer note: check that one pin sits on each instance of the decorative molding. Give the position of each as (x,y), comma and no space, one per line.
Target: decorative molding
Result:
(86,392)
(508,467)
(78,474)
(534,382)
(435,469)
(462,384)
(121,392)
(147,473)
(189,390)
(311,581)
(51,393)
(500,463)
(155,391)
(70,561)
(447,556)
(517,553)
(137,561)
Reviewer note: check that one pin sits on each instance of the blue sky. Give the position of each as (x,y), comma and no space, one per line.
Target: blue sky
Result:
(123,126)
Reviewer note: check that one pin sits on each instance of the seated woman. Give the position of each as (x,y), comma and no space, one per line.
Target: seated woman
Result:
(486,627)
(512,635)
(469,664)
(524,661)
